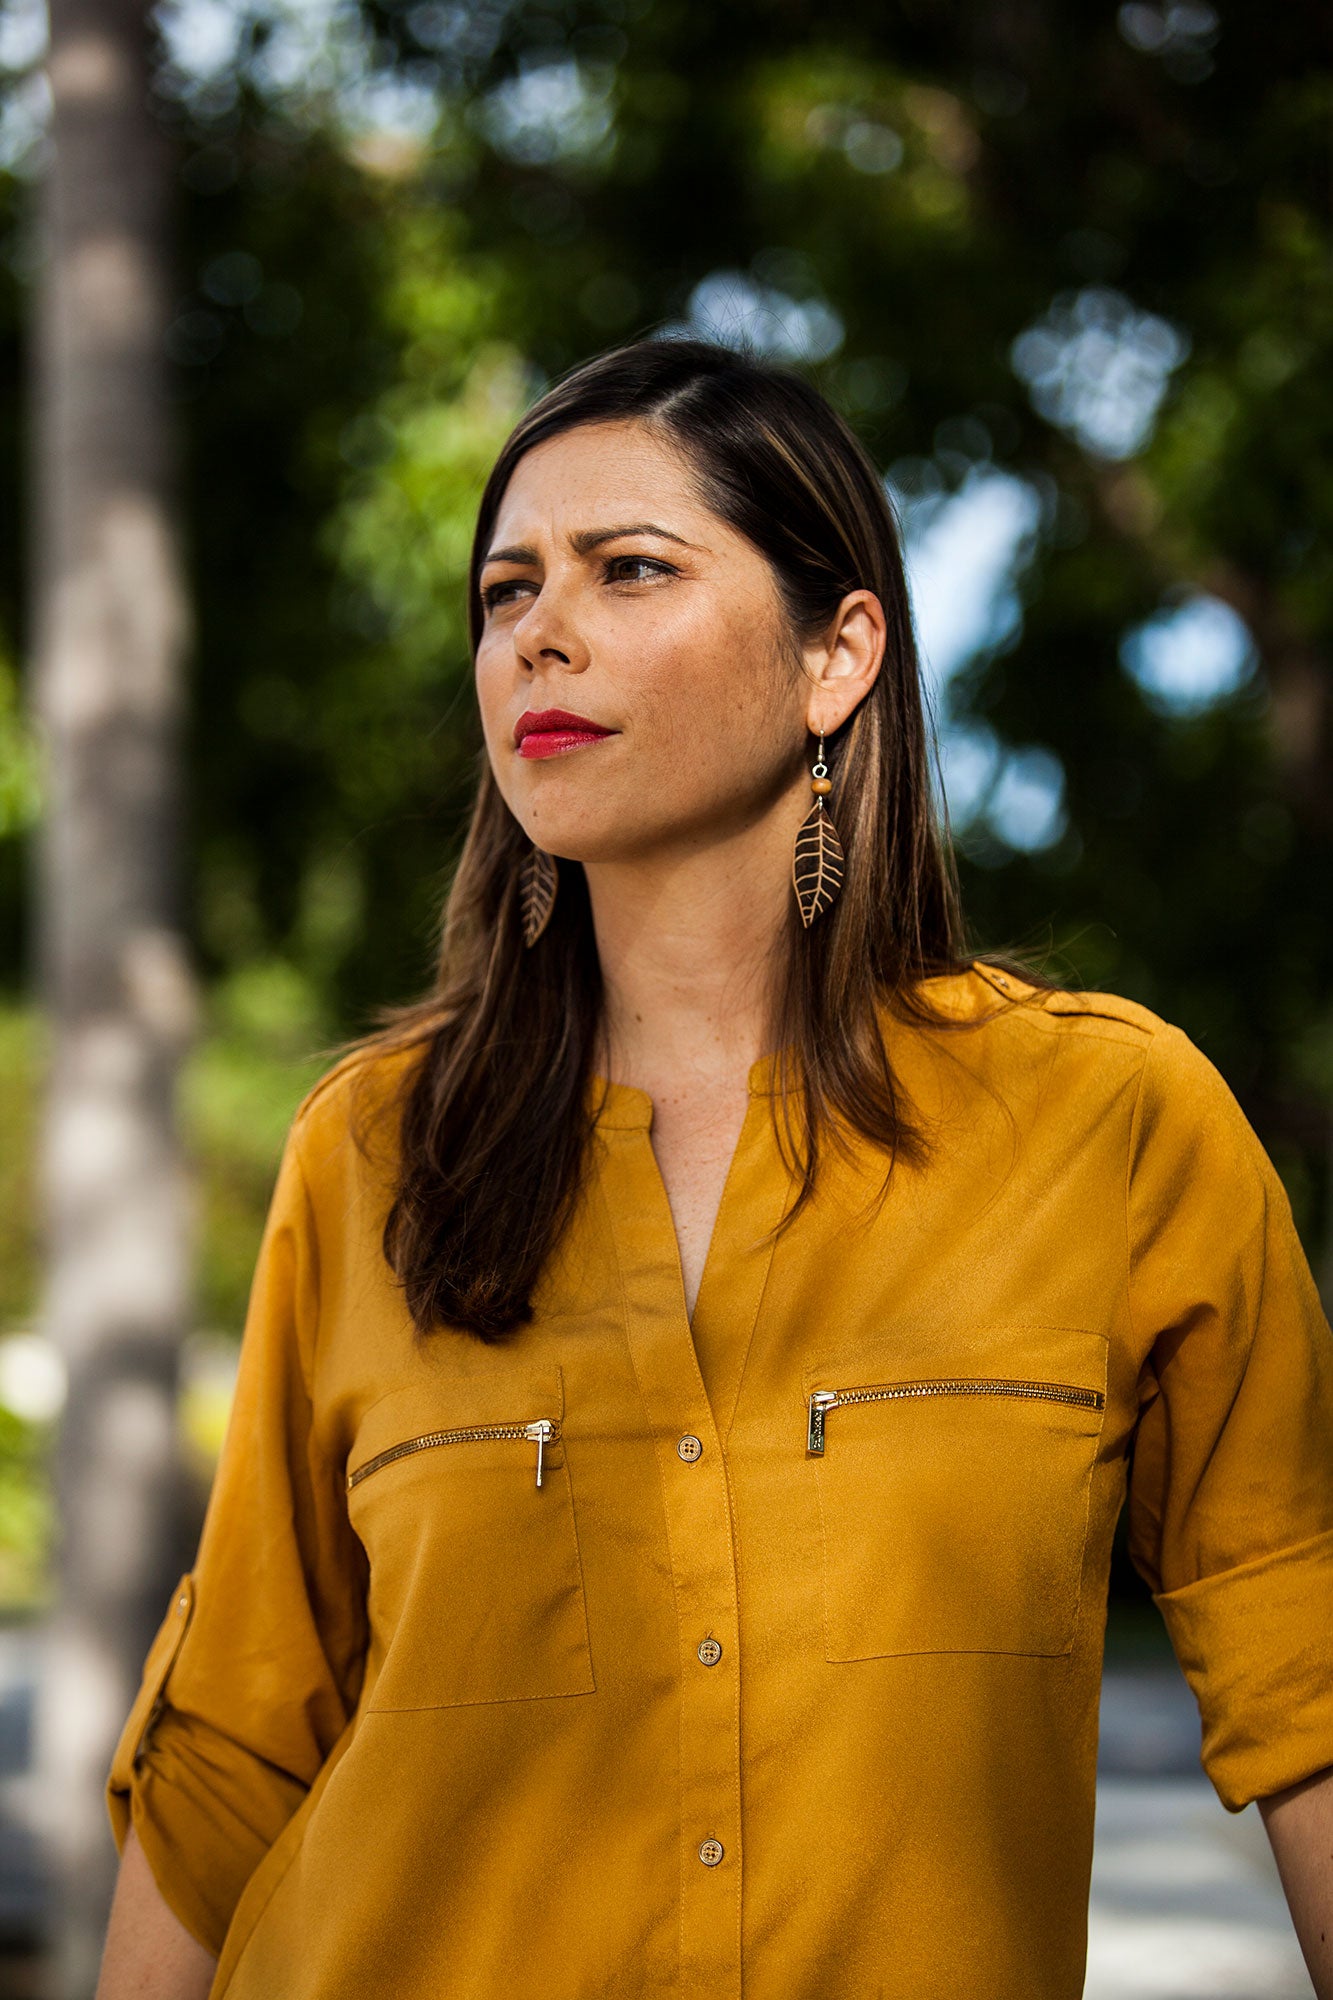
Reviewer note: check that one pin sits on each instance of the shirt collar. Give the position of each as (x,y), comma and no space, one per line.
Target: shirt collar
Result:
(620,1107)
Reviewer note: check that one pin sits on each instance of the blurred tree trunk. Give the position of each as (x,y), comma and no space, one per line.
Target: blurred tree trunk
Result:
(110,628)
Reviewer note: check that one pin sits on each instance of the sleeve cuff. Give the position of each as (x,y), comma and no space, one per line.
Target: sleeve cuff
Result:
(148,1705)
(205,1820)
(1256,1646)
(204,1809)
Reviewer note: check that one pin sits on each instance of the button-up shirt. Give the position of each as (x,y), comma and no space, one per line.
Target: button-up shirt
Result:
(758,1654)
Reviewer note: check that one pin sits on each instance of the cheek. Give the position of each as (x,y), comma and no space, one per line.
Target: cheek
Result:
(715,724)
(488,682)
(492,680)
(699,668)
(735,699)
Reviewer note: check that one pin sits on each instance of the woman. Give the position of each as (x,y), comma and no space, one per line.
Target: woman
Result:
(661,1542)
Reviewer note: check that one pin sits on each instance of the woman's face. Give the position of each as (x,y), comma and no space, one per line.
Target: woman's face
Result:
(613,593)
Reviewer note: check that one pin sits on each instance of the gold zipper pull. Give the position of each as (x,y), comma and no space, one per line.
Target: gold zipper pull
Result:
(541,1430)
(820,1400)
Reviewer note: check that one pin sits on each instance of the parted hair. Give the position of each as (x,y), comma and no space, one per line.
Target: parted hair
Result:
(494,1113)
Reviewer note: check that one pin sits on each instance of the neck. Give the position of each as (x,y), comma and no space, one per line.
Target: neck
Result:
(692,954)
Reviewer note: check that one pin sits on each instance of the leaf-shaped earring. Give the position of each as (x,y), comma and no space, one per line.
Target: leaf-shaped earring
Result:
(538,880)
(816,869)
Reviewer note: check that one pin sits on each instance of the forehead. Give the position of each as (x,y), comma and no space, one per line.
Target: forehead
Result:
(597,475)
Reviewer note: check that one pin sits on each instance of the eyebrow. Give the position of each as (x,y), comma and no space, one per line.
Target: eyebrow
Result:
(588,539)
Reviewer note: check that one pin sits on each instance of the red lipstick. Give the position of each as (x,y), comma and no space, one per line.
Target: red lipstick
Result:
(545,732)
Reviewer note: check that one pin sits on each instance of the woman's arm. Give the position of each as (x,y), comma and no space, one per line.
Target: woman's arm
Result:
(253,1676)
(1300,1828)
(149,1953)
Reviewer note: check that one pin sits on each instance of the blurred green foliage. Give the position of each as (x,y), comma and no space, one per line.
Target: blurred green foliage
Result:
(25,1512)
(264,1045)
(239,1090)
(19,1060)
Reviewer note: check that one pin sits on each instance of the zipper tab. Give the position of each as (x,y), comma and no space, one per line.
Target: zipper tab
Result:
(945,1385)
(541,1431)
(820,1400)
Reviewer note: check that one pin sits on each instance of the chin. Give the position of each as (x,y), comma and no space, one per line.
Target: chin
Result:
(597,845)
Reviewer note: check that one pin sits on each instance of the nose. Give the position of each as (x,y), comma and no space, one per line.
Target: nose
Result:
(547,634)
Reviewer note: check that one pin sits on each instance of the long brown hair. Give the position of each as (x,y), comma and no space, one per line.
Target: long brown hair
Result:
(495,1116)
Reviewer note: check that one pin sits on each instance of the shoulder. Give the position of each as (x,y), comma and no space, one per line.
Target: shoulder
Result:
(350,1116)
(1022,1026)
(1096,1068)
(993,994)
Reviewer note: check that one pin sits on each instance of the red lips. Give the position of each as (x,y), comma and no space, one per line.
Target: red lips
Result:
(545,732)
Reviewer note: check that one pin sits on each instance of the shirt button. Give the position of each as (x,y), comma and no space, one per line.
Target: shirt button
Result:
(710,1852)
(710,1651)
(689,1447)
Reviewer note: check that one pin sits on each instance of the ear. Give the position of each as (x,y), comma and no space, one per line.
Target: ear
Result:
(844,665)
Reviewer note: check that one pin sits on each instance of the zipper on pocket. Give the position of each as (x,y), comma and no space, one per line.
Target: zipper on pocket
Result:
(541,1432)
(821,1401)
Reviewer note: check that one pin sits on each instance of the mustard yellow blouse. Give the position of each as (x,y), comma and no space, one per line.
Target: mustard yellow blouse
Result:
(622,1661)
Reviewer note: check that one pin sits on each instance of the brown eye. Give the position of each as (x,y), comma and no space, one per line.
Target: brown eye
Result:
(501,593)
(649,564)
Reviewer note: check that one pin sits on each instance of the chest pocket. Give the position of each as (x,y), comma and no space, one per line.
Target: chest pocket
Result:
(460,1491)
(953,1485)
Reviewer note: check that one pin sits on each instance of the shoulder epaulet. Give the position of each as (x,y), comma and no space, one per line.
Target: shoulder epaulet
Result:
(1106,1007)
(1070,1002)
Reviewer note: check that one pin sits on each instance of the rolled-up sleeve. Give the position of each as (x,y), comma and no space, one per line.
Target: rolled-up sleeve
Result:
(255,1669)
(1231,1484)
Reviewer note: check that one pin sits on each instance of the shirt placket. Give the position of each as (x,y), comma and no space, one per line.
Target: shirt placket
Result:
(701,1540)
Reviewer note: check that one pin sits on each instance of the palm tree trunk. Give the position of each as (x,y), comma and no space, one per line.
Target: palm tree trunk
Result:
(109,633)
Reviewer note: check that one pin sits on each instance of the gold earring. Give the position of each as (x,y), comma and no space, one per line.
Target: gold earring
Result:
(538,880)
(816,869)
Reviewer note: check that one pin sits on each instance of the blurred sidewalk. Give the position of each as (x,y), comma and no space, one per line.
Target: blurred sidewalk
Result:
(1186,1903)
